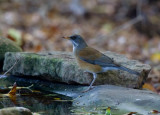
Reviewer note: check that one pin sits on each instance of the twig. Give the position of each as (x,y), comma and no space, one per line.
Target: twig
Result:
(17,60)
(129,23)
(3,104)
(126,25)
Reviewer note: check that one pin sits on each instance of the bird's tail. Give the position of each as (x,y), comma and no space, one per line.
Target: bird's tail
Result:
(129,70)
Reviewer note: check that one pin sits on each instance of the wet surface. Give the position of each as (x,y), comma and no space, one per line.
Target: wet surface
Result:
(47,98)
(36,101)
(42,102)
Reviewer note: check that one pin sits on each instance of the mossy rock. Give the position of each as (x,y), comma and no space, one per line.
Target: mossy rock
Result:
(6,45)
(62,67)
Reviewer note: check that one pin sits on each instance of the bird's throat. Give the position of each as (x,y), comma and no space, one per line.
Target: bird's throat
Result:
(77,47)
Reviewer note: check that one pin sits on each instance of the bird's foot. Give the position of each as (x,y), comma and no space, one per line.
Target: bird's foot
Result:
(89,88)
(86,72)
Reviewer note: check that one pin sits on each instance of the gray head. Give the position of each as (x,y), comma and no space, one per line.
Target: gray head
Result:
(77,41)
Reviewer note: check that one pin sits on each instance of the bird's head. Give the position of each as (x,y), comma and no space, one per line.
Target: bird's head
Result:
(77,41)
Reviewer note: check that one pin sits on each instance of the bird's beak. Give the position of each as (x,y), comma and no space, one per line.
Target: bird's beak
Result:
(66,38)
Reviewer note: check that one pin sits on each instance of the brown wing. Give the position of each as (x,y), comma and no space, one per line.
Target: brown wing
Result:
(93,56)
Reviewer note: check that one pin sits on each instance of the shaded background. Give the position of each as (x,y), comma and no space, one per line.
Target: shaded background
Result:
(129,27)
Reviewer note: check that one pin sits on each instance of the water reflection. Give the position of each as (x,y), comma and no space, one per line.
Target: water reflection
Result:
(39,102)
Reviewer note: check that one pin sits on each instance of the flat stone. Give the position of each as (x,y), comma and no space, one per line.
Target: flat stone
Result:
(62,67)
(121,98)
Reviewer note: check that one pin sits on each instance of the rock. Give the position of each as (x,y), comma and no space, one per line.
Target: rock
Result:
(61,67)
(15,111)
(122,100)
(59,88)
(7,45)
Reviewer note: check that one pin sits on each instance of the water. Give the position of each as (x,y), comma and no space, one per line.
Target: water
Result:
(42,103)
(45,103)
(39,100)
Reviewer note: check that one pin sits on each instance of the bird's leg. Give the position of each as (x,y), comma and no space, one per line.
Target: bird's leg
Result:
(90,86)
(94,78)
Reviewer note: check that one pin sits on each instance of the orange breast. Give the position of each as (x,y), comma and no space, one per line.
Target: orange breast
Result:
(88,67)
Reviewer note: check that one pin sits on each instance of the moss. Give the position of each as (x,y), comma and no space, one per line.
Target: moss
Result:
(7,45)
(34,64)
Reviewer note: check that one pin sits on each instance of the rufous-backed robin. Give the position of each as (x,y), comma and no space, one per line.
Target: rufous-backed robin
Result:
(93,61)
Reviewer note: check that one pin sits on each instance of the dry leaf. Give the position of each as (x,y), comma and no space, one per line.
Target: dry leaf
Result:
(13,90)
(155,57)
(149,87)
(131,113)
(155,112)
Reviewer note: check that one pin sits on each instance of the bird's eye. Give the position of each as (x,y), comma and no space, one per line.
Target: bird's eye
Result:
(73,38)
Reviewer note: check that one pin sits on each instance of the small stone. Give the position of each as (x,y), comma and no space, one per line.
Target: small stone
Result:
(15,111)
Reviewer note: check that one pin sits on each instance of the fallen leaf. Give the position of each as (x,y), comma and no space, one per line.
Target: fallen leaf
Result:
(12,93)
(155,112)
(149,87)
(13,90)
(15,35)
(155,57)
(131,113)
(38,48)
(57,98)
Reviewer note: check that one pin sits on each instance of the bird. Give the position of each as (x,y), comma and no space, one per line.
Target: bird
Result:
(92,60)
